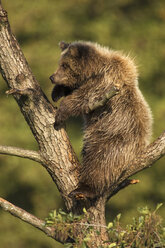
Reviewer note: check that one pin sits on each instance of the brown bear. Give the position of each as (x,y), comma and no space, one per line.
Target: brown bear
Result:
(116,129)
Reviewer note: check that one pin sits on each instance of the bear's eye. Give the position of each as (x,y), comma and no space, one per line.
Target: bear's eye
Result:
(64,65)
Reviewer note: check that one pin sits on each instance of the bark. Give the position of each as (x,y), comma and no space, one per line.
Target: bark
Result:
(55,152)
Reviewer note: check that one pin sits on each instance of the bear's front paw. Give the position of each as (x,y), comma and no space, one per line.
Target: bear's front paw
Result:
(58,119)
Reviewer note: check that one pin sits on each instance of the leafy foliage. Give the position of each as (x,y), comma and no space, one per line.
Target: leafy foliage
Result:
(61,217)
(66,223)
(146,230)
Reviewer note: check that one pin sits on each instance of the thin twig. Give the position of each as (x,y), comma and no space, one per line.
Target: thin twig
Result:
(94,225)
(20,152)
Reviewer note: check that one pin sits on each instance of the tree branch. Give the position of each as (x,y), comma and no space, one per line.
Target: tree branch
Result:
(26,217)
(56,232)
(150,155)
(20,152)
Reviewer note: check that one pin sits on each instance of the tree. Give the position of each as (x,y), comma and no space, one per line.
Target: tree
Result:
(55,152)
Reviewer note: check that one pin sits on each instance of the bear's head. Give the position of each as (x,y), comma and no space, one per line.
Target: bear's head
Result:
(76,66)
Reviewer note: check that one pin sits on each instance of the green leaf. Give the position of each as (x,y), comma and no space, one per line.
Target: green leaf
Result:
(84,210)
(62,212)
(112,245)
(83,245)
(59,217)
(54,213)
(118,216)
(121,234)
(110,225)
(139,226)
(144,210)
(68,245)
(78,217)
(158,206)
(51,215)
(49,222)
(70,215)
(141,219)
(98,232)
(88,238)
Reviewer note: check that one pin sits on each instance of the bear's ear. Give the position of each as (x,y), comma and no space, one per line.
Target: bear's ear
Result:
(63,45)
(74,51)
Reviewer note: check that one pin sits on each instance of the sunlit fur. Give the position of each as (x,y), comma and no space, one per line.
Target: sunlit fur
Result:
(114,134)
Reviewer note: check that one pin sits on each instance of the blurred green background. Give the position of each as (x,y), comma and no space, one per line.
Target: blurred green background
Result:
(136,27)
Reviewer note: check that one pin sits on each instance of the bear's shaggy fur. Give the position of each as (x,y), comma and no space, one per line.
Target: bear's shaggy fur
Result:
(115,133)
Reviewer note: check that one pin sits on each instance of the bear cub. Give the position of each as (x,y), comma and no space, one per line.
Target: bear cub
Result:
(116,129)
